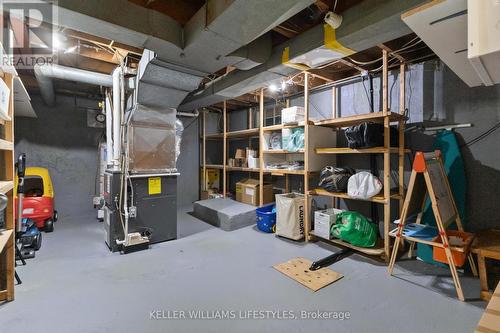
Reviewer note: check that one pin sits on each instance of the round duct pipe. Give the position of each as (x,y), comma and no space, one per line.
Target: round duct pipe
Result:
(45,73)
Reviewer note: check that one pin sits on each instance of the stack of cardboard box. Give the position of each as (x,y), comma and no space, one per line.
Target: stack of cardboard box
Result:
(244,158)
(248,191)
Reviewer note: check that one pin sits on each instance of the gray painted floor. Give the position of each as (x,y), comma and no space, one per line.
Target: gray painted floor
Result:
(76,285)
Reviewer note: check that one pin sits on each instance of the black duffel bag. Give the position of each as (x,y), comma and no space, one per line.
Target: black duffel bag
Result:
(335,179)
(367,135)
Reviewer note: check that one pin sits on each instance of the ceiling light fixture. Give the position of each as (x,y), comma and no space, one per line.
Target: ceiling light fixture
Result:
(71,49)
(273,87)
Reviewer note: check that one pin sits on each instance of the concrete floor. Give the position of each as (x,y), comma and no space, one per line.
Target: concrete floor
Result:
(76,285)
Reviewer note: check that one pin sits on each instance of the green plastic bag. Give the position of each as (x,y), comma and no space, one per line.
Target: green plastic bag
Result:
(354,228)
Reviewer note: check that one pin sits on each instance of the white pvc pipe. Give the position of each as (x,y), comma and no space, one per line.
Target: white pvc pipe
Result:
(109,132)
(189,114)
(117,73)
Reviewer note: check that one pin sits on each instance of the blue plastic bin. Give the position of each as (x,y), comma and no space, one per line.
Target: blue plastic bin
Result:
(266,218)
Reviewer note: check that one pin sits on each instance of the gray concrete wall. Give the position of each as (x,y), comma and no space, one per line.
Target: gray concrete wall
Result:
(60,140)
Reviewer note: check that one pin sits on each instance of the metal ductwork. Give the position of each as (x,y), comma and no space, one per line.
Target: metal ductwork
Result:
(46,73)
(205,43)
(254,54)
(161,84)
(364,26)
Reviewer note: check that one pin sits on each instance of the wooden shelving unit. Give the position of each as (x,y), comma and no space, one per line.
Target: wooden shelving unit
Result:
(7,236)
(386,117)
(320,150)
(226,135)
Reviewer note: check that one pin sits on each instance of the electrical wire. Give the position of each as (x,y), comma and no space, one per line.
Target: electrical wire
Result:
(482,136)
(364,62)
(190,123)
(367,95)
(407,109)
(406,46)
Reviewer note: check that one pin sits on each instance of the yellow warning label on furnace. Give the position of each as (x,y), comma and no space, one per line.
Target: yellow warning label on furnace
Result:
(154,185)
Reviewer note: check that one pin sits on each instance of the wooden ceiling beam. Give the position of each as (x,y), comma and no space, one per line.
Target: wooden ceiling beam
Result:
(352,65)
(391,52)
(288,33)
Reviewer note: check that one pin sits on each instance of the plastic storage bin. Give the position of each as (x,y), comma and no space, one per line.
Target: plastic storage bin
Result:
(266,218)
(459,257)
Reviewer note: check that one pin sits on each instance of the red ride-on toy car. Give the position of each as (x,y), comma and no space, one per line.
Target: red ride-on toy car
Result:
(38,202)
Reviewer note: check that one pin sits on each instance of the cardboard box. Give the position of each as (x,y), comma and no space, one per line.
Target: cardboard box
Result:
(211,193)
(207,194)
(323,221)
(240,153)
(240,162)
(212,178)
(248,191)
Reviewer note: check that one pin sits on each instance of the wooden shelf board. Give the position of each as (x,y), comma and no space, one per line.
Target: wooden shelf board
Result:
(379,198)
(243,133)
(281,151)
(4,238)
(377,250)
(357,119)
(6,145)
(281,172)
(373,150)
(245,169)
(214,166)
(6,186)
(213,136)
(394,232)
(281,126)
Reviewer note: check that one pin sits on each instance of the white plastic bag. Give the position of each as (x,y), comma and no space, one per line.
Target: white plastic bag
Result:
(363,185)
(290,215)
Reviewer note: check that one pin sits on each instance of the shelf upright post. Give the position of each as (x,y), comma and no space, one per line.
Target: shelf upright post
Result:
(307,214)
(7,252)
(261,147)
(387,154)
(287,176)
(204,151)
(224,158)
(401,128)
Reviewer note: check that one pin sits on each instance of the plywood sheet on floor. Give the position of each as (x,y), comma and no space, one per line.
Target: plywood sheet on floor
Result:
(298,269)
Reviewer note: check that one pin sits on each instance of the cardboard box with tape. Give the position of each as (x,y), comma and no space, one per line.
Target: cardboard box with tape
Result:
(248,191)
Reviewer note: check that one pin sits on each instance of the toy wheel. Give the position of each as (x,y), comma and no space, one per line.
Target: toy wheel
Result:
(49,225)
(56,216)
(37,242)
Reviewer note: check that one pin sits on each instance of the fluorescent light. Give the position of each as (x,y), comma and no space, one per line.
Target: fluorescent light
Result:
(273,87)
